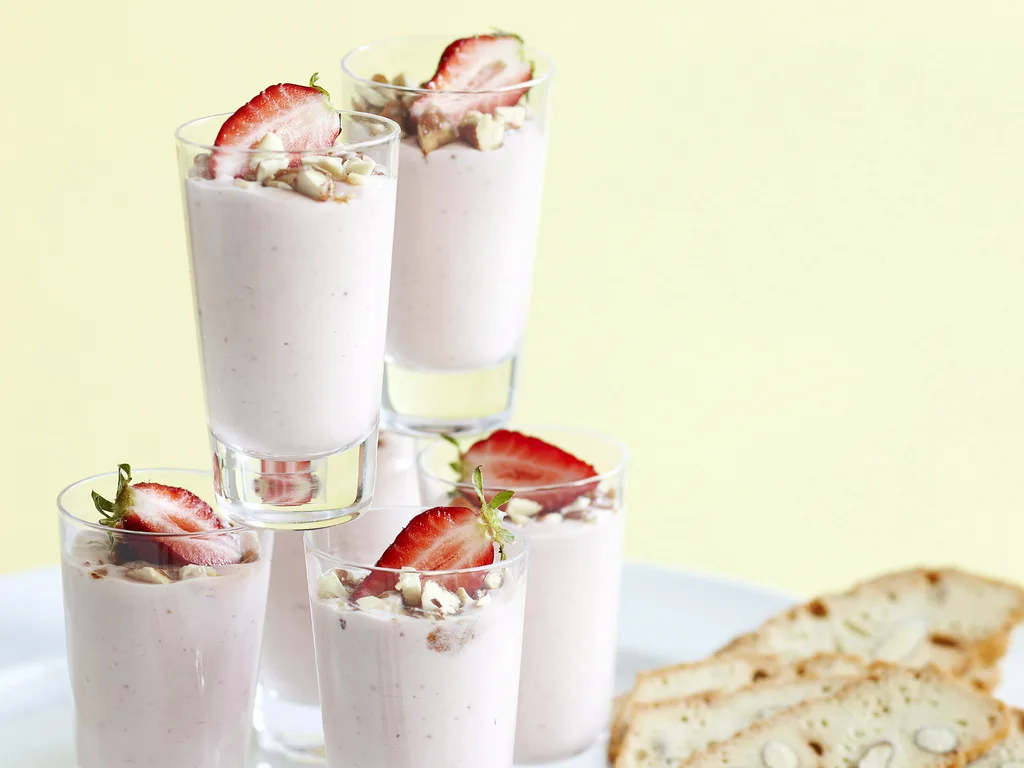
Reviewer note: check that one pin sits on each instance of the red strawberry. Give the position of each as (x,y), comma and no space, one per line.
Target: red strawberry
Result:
(444,539)
(155,508)
(286,483)
(480,63)
(300,115)
(517,461)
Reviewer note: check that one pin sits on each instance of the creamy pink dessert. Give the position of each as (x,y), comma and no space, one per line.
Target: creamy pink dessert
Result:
(469,202)
(164,616)
(287,668)
(291,293)
(573,517)
(419,654)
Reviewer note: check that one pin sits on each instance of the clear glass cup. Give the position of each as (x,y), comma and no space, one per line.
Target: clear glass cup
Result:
(291,297)
(408,688)
(465,241)
(287,702)
(575,531)
(162,657)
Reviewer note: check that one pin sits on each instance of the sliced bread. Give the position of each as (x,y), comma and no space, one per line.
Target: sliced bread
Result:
(893,718)
(721,675)
(957,621)
(1009,754)
(665,733)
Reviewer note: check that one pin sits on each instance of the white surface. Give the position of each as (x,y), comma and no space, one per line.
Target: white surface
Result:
(667,616)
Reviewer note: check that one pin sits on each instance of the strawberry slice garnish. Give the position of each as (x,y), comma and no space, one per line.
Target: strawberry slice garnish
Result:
(480,63)
(445,539)
(286,483)
(301,116)
(156,508)
(517,461)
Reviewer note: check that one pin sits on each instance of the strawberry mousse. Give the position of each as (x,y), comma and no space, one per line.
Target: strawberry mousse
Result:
(419,653)
(164,606)
(573,517)
(290,229)
(469,202)
(289,703)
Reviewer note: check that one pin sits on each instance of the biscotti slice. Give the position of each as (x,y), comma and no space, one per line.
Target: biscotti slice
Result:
(665,733)
(721,675)
(1009,754)
(957,621)
(893,718)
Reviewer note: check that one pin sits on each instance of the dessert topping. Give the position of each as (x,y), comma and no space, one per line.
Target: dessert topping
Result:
(446,539)
(300,117)
(162,509)
(482,131)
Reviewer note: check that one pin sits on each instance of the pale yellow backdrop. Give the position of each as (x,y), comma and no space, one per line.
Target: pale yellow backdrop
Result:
(781,256)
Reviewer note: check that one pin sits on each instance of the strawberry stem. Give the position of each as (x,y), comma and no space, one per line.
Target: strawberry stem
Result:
(491,513)
(312,84)
(457,464)
(113,511)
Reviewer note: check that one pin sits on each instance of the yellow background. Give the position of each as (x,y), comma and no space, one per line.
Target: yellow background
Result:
(780,256)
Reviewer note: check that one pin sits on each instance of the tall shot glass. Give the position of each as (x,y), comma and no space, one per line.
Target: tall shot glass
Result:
(163,656)
(290,280)
(407,686)
(575,531)
(465,233)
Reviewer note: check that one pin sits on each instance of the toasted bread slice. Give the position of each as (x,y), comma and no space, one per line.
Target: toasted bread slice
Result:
(893,718)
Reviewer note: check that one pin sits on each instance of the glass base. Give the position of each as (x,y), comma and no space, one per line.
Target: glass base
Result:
(425,403)
(294,731)
(593,756)
(293,494)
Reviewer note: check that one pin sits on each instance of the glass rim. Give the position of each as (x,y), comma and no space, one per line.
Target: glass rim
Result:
(66,513)
(532,82)
(348,563)
(393,133)
(531,430)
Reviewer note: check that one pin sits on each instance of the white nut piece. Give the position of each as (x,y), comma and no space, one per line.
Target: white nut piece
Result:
(409,585)
(270,148)
(148,575)
(775,754)
(314,184)
(362,165)
(937,739)
(494,579)
(514,117)
(371,603)
(517,507)
(437,599)
(551,518)
(196,572)
(482,131)
(877,756)
(464,597)
(902,643)
(334,166)
(329,586)
(269,167)
(357,179)
(484,600)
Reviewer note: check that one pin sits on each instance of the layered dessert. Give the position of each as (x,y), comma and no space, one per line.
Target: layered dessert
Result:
(469,200)
(164,619)
(574,521)
(290,236)
(419,655)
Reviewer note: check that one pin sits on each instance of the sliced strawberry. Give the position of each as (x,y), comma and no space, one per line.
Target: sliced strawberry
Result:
(286,483)
(517,461)
(300,115)
(481,63)
(155,508)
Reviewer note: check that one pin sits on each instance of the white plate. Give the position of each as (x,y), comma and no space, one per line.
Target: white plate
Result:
(667,616)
